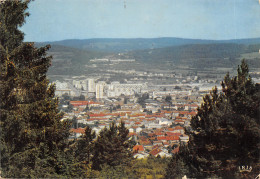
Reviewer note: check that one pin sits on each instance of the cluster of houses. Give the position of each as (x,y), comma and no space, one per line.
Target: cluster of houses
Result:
(157,132)
(161,142)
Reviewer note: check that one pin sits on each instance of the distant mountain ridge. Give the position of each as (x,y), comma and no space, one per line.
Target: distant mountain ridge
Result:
(126,45)
(191,51)
(73,61)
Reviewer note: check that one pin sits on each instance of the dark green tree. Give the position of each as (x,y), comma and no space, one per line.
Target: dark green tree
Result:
(74,122)
(85,146)
(226,130)
(69,108)
(80,152)
(141,99)
(125,100)
(168,99)
(86,108)
(177,167)
(81,98)
(112,147)
(33,137)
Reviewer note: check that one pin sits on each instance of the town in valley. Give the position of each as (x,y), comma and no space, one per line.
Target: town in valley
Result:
(155,104)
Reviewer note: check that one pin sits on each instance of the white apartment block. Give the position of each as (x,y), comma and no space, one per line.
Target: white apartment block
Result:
(81,84)
(116,89)
(91,85)
(63,88)
(100,87)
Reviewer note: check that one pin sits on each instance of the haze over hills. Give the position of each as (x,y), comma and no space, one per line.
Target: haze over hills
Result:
(125,45)
(191,51)
(72,56)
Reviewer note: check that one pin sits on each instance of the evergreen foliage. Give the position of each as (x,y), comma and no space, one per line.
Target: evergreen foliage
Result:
(85,146)
(177,168)
(141,99)
(79,155)
(33,137)
(112,147)
(226,131)
(168,99)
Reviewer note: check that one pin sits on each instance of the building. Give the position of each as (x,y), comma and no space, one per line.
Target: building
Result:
(63,88)
(116,89)
(100,87)
(91,85)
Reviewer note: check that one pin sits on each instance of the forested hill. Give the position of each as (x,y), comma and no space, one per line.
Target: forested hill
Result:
(67,60)
(190,52)
(72,61)
(126,45)
(60,52)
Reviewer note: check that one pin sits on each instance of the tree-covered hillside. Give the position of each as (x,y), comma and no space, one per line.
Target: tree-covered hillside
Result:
(189,52)
(70,61)
(125,45)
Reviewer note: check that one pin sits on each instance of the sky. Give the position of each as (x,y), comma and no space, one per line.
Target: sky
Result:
(53,20)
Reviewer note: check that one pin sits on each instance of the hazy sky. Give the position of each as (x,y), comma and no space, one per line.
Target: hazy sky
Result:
(52,20)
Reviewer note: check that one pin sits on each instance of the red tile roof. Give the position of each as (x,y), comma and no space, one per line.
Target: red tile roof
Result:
(132,134)
(157,146)
(178,128)
(161,138)
(97,115)
(158,133)
(168,138)
(172,138)
(82,103)
(166,143)
(179,121)
(173,134)
(138,148)
(194,105)
(164,111)
(151,134)
(137,115)
(152,138)
(78,130)
(155,151)
(155,115)
(178,117)
(176,150)
(145,142)
(184,112)
(193,113)
(151,119)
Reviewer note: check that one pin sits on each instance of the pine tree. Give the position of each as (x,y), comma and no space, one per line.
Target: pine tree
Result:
(33,137)
(177,168)
(85,146)
(80,155)
(112,147)
(226,131)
